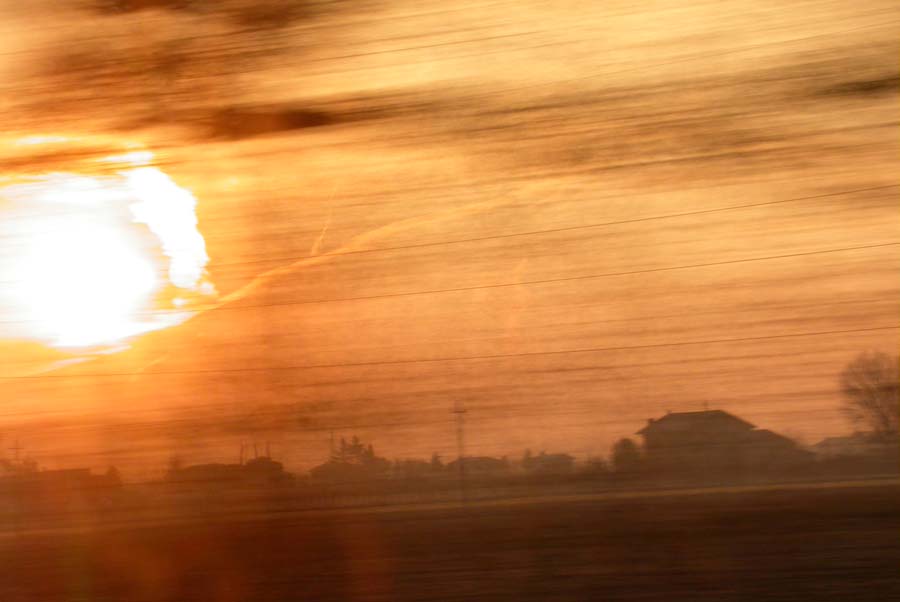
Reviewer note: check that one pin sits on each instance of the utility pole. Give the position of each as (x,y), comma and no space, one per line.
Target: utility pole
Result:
(16,449)
(331,448)
(460,413)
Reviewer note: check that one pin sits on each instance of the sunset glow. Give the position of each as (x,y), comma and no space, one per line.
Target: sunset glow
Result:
(95,249)
(478,301)
(85,286)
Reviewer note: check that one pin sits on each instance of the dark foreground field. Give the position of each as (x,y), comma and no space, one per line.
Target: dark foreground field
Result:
(813,544)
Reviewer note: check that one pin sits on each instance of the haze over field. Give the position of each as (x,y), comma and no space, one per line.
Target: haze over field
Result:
(570,217)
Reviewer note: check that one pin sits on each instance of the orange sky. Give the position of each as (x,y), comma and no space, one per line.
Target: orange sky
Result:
(517,204)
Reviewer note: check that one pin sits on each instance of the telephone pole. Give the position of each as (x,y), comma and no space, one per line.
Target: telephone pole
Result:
(460,413)
(16,449)
(331,456)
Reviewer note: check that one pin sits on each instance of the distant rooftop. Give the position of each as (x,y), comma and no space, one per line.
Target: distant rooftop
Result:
(767,437)
(683,420)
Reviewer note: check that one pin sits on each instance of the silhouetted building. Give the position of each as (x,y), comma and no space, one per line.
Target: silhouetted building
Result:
(852,446)
(345,472)
(714,441)
(261,470)
(548,464)
(265,469)
(9,468)
(202,473)
(39,487)
(764,449)
(480,466)
(415,469)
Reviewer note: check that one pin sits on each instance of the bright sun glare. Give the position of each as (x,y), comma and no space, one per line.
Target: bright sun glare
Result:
(85,274)
(87,287)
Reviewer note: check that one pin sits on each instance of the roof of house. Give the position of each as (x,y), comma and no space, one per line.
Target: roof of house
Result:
(855,439)
(686,420)
(769,438)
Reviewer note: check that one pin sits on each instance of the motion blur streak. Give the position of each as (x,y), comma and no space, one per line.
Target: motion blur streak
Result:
(430,301)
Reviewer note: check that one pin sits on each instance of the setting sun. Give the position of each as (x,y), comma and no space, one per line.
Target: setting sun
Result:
(85,286)
(96,242)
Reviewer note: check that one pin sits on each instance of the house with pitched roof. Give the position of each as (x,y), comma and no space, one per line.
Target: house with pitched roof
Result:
(716,442)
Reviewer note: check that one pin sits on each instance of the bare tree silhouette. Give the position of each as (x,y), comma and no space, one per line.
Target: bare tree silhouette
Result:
(871,388)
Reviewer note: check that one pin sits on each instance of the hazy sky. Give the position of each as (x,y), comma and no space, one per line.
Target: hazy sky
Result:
(569,217)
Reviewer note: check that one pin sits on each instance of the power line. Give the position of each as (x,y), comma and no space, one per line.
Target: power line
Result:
(547,280)
(451,358)
(567,228)
(215,265)
(489,413)
(228,307)
(218,265)
(137,427)
(197,347)
(593,368)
